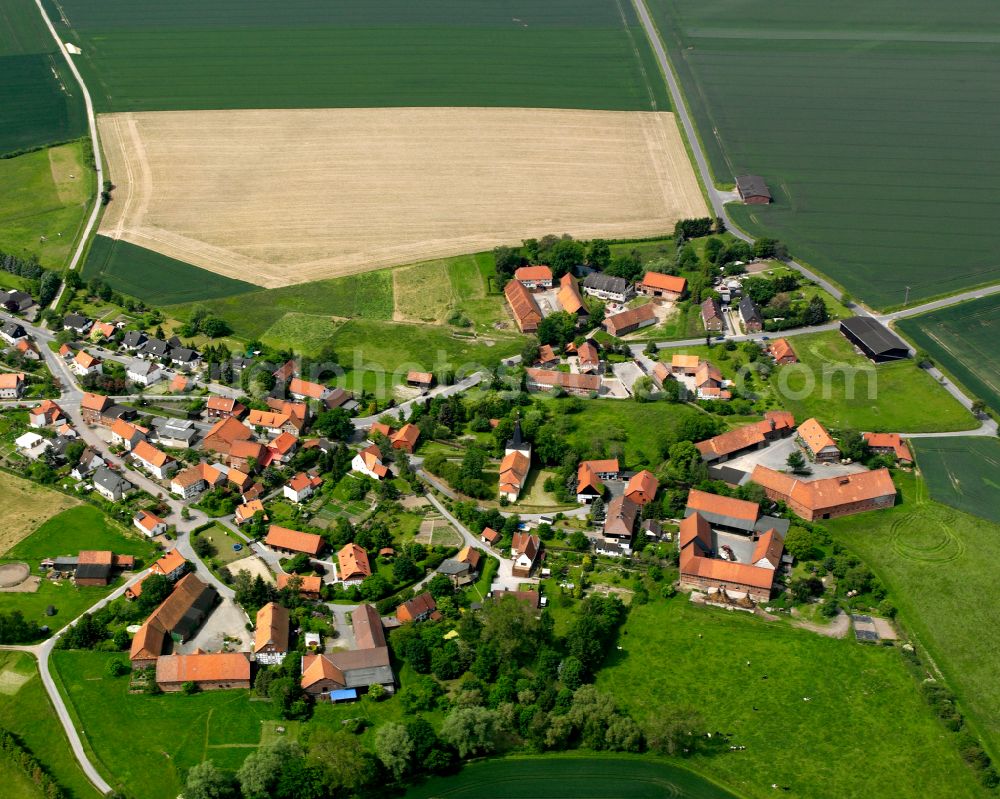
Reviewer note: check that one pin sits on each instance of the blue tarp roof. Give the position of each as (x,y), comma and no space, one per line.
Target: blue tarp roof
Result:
(347,693)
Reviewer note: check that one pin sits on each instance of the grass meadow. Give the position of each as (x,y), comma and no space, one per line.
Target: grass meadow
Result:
(26,506)
(222,54)
(864,710)
(40,99)
(872,124)
(844,390)
(45,194)
(154,278)
(165,735)
(962,341)
(568,777)
(940,567)
(25,710)
(962,472)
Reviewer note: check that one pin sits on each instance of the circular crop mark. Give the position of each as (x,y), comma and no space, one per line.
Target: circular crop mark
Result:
(927,537)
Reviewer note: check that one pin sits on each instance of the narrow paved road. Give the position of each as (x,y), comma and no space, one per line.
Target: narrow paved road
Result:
(98,160)
(42,652)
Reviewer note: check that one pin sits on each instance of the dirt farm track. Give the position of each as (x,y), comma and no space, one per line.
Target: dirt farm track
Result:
(282,197)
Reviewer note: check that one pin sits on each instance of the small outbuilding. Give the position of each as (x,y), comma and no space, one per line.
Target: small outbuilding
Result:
(753,190)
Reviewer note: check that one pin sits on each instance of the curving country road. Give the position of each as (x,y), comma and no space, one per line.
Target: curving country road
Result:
(98,161)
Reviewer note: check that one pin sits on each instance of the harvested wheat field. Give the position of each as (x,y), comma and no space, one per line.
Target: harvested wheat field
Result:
(26,506)
(282,197)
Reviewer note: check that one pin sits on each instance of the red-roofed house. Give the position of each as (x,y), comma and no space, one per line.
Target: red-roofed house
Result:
(293,542)
(534,277)
(782,352)
(489,536)
(304,390)
(353,565)
(154,461)
(368,461)
(11,385)
(642,487)
(889,444)
(526,313)
(46,414)
(656,284)
(820,444)
(86,364)
(830,497)
(524,550)
(224,407)
(149,524)
(301,487)
(405,438)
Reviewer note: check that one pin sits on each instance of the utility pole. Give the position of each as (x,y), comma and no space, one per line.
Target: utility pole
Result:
(907,300)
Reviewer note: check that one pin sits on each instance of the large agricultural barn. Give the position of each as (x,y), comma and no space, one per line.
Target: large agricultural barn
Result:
(875,340)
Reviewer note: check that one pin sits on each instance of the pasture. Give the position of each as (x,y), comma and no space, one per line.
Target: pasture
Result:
(962,472)
(568,777)
(862,702)
(40,99)
(44,198)
(154,278)
(300,195)
(962,340)
(222,54)
(873,125)
(28,713)
(80,527)
(164,737)
(844,390)
(26,506)
(940,567)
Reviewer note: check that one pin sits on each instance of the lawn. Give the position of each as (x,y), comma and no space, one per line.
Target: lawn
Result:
(636,428)
(165,735)
(962,341)
(567,777)
(154,278)
(44,199)
(222,54)
(68,600)
(378,355)
(41,100)
(863,705)
(962,472)
(304,333)
(876,119)
(28,713)
(940,567)
(223,541)
(844,390)
(81,527)
(26,506)
(423,292)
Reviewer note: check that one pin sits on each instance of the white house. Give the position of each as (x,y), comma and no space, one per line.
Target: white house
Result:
(154,461)
(32,444)
(301,487)
(369,462)
(149,524)
(86,364)
(11,385)
(145,373)
(89,462)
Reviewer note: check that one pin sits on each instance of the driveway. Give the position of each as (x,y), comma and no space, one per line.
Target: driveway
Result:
(227,621)
(775,456)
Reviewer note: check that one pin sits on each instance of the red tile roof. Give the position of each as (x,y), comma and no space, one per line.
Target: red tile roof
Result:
(815,436)
(523,306)
(203,667)
(723,506)
(661,282)
(533,273)
(353,561)
(283,538)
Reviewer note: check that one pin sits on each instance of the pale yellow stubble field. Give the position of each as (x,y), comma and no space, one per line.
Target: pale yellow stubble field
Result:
(289,196)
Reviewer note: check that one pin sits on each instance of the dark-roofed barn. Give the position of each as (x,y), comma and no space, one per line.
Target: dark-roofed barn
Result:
(874,339)
(753,190)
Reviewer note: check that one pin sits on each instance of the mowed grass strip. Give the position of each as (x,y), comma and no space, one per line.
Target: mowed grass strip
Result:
(28,713)
(863,711)
(155,278)
(962,340)
(844,390)
(560,54)
(962,472)
(41,101)
(164,737)
(859,122)
(44,197)
(26,506)
(561,777)
(423,293)
(940,566)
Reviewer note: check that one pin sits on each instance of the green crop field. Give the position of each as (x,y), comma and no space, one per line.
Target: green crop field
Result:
(863,705)
(873,124)
(154,278)
(844,390)
(44,199)
(560,777)
(165,735)
(962,340)
(364,53)
(25,710)
(40,99)
(940,567)
(962,472)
